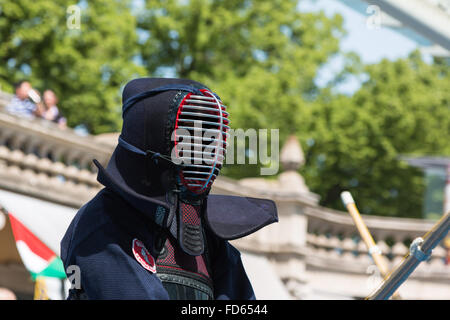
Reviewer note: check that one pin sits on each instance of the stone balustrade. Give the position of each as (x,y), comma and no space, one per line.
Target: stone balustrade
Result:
(333,234)
(42,178)
(326,239)
(46,140)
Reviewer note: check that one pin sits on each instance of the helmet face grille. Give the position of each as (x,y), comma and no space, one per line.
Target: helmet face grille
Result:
(200,135)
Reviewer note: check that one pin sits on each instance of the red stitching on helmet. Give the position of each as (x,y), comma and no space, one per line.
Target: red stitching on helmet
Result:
(180,107)
(218,109)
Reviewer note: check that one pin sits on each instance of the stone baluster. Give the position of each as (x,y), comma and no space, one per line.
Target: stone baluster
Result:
(399,249)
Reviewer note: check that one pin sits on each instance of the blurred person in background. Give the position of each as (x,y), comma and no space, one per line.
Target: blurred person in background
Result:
(26,102)
(51,111)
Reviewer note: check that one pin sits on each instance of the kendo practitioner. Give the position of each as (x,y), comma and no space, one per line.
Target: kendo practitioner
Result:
(154,231)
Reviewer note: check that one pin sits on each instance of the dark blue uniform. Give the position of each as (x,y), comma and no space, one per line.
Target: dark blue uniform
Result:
(99,241)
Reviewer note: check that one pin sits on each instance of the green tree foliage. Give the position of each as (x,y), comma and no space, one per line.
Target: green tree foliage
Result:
(85,67)
(356,142)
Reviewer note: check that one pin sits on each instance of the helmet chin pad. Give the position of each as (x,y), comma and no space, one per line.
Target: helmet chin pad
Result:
(200,140)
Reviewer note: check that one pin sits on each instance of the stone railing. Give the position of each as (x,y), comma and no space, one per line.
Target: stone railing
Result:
(333,236)
(43,178)
(44,139)
(309,236)
(42,160)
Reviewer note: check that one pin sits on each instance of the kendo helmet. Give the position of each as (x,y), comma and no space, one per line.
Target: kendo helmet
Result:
(178,124)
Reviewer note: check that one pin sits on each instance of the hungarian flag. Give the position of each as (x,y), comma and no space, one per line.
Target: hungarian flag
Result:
(46,268)
(39,259)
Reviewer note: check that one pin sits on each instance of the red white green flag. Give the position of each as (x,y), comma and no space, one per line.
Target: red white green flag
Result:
(39,259)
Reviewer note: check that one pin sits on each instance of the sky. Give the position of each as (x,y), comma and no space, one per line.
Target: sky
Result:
(371,44)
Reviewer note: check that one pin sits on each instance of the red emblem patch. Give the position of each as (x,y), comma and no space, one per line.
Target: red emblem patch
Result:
(143,256)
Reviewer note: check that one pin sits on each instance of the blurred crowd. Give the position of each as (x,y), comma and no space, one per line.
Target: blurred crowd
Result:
(27,102)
